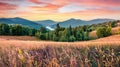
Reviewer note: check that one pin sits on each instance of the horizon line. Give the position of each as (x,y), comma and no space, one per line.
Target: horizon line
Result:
(59,21)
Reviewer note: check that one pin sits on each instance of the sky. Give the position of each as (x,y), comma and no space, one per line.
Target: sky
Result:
(60,10)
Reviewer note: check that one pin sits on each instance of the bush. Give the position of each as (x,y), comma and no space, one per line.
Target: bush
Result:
(40,36)
(63,39)
(104,32)
(119,31)
(72,38)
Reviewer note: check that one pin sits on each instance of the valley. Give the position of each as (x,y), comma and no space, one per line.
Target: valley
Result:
(23,46)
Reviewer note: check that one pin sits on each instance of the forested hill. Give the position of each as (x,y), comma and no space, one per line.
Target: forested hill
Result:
(69,34)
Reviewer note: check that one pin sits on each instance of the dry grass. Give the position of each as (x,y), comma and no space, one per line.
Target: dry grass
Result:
(30,38)
(60,56)
(115,30)
(103,52)
(115,39)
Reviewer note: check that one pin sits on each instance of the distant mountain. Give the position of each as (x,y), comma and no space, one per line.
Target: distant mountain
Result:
(96,21)
(21,21)
(49,24)
(46,22)
(78,22)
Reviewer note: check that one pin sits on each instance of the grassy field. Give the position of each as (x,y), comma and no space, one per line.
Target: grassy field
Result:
(26,51)
(25,38)
(61,56)
(103,52)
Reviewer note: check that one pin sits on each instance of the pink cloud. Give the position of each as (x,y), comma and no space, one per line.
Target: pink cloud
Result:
(102,2)
(6,6)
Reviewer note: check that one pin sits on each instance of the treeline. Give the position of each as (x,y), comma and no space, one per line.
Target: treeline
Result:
(16,30)
(80,33)
(70,34)
(64,34)
(105,24)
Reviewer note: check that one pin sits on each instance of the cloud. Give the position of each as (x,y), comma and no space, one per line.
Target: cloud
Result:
(58,8)
(6,6)
(98,2)
(35,1)
(71,8)
(84,2)
(45,8)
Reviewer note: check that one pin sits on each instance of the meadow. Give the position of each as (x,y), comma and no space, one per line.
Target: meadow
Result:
(61,56)
(103,52)
(29,51)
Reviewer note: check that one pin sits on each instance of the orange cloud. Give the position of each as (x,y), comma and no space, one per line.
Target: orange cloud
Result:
(35,1)
(47,7)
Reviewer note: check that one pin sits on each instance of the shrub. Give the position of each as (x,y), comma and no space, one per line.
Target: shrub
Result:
(104,31)
(119,31)
(72,38)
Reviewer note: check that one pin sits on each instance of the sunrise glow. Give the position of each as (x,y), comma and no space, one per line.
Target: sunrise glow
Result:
(60,10)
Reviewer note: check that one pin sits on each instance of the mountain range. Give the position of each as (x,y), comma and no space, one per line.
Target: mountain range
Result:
(21,21)
(78,22)
(49,24)
(46,22)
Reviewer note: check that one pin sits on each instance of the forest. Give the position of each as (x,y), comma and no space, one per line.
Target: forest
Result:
(70,34)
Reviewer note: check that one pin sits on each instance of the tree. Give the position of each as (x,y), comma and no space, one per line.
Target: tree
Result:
(47,36)
(11,31)
(32,32)
(84,28)
(114,23)
(67,34)
(79,36)
(55,38)
(101,32)
(43,30)
(119,31)
(86,36)
(108,31)
(70,30)
(4,29)
(51,35)
(104,31)
(1,32)
(72,39)
(17,30)
(63,39)
(40,35)
(57,30)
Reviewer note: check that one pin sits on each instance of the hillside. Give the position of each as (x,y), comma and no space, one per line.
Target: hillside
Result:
(114,31)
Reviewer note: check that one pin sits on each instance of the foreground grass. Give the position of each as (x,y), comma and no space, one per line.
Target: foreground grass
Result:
(61,56)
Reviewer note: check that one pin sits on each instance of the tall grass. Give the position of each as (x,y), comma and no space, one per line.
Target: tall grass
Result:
(61,56)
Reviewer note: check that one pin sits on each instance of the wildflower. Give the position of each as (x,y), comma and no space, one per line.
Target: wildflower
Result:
(20,51)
